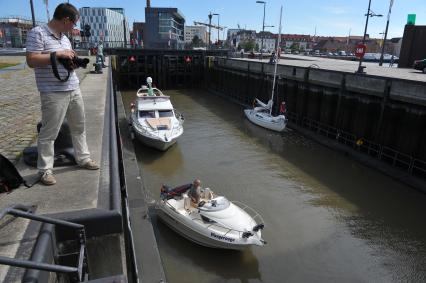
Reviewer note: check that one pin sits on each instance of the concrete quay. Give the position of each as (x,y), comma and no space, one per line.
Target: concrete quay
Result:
(92,198)
(346,66)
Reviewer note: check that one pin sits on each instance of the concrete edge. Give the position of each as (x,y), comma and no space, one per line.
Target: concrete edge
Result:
(146,255)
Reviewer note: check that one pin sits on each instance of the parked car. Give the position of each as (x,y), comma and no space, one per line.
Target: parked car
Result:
(420,65)
(371,57)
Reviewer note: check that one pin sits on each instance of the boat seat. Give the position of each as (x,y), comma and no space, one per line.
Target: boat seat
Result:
(207,194)
(186,202)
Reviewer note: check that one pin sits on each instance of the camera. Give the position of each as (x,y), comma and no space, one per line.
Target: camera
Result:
(74,63)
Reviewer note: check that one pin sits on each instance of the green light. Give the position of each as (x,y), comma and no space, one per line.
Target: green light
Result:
(411,19)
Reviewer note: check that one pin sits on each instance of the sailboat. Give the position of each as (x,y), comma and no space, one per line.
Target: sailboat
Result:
(261,113)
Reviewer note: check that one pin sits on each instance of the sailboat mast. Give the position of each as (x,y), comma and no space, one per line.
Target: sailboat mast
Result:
(276,62)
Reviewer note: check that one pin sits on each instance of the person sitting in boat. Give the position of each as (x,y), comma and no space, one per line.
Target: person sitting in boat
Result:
(195,191)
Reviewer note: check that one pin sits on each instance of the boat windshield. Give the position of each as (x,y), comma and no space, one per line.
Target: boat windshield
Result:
(146,114)
(215,204)
(165,113)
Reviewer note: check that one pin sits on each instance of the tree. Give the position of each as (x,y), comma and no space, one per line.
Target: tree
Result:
(196,41)
(294,47)
(248,44)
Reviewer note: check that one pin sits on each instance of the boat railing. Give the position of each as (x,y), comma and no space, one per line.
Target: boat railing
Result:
(179,116)
(227,229)
(142,92)
(253,213)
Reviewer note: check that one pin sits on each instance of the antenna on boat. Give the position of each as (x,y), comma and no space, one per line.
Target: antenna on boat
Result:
(276,61)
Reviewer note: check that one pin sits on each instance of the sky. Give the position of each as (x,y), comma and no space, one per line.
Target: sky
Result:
(326,17)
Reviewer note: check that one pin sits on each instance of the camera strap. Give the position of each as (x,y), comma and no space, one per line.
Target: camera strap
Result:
(54,64)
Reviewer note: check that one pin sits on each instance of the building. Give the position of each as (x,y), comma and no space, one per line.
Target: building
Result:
(13,31)
(107,24)
(231,37)
(138,34)
(164,28)
(269,40)
(299,42)
(240,36)
(191,31)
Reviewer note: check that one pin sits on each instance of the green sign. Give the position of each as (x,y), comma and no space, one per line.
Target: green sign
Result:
(411,19)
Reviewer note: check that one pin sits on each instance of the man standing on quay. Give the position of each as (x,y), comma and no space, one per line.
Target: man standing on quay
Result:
(58,99)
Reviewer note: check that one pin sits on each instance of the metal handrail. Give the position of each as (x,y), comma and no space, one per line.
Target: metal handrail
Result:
(77,274)
(381,152)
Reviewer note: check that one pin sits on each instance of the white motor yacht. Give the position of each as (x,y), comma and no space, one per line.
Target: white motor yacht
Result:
(153,119)
(214,222)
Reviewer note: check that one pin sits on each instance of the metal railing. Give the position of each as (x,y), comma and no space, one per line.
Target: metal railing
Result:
(76,274)
(384,153)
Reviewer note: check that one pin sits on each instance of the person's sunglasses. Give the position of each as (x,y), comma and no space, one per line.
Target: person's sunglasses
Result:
(74,23)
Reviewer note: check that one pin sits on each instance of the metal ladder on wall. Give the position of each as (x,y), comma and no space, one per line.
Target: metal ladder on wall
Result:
(74,274)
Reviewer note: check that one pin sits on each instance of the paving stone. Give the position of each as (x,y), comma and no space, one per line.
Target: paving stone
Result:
(20,109)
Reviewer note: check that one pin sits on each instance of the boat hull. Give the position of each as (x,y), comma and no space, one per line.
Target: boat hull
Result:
(183,227)
(278,126)
(154,143)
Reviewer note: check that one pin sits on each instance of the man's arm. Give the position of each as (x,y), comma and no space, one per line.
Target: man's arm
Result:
(41,59)
(36,54)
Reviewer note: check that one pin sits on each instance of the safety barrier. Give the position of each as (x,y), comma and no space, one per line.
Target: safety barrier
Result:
(411,165)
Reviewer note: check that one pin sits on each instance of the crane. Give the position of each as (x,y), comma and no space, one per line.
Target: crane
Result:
(209,25)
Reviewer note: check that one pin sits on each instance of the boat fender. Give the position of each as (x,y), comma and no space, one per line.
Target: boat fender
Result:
(247,234)
(258,227)
(201,203)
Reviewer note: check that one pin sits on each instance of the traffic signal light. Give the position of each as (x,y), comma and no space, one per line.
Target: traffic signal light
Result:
(188,59)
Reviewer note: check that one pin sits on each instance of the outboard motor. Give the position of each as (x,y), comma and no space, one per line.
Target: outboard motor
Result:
(169,192)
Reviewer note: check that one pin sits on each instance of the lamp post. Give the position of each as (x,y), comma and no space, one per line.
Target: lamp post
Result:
(218,16)
(263,26)
(368,15)
(32,13)
(386,33)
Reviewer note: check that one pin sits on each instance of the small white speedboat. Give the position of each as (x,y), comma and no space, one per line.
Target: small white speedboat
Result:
(153,119)
(215,222)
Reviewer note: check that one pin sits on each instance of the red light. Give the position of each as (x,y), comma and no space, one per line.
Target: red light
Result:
(132,59)
(187,59)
